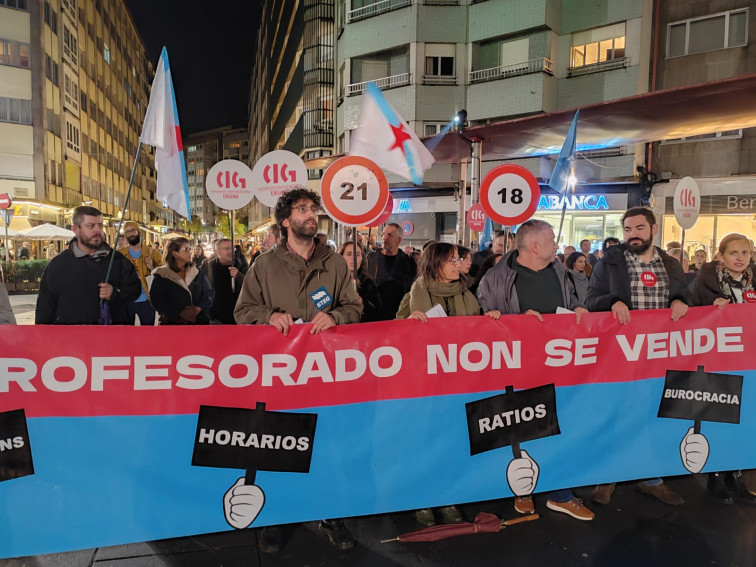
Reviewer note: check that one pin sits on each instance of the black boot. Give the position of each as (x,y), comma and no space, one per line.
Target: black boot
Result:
(736,483)
(270,539)
(337,533)
(718,489)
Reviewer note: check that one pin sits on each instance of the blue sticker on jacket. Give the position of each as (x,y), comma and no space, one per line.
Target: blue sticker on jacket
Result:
(320,297)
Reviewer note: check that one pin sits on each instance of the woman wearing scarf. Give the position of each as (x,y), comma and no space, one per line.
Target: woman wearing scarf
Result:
(576,272)
(728,280)
(721,282)
(438,283)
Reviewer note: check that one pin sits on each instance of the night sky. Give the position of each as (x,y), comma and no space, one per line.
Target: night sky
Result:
(211,51)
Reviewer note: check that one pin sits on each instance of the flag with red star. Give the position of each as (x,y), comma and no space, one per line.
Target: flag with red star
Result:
(385,138)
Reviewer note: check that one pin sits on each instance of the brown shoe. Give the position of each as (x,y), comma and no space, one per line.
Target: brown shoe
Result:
(524,504)
(662,492)
(574,508)
(602,494)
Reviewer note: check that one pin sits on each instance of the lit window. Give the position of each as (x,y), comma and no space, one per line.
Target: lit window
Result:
(106,53)
(709,33)
(597,52)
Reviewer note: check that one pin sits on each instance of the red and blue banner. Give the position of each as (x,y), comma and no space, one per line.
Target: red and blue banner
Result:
(124,434)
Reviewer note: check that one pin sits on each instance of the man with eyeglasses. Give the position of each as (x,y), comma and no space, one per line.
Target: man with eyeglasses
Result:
(73,283)
(532,281)
(144,258)
(300,279)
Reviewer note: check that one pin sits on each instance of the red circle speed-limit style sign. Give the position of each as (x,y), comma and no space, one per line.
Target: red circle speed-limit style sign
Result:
(509,194)
(354,191)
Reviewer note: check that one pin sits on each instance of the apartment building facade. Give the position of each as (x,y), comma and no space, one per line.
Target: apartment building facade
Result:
(292,99)
(699,42)
(74,87)
(498,60)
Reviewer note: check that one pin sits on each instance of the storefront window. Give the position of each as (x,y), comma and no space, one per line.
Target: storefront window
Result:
(578,227)
(708,231)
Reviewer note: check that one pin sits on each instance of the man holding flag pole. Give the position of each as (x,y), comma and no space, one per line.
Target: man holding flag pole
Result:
(161,130)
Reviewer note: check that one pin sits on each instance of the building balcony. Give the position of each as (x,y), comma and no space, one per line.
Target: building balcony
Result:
(609,65)
(375,9)
(384,83)
(439,79)
(543,65)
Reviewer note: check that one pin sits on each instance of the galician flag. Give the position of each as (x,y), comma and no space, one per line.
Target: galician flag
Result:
(561,173)
(161,130)
(383,137)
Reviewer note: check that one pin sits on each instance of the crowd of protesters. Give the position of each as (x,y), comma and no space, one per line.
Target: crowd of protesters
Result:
(297,276)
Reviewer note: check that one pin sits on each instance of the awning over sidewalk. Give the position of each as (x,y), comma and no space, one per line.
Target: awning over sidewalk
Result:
(717,106)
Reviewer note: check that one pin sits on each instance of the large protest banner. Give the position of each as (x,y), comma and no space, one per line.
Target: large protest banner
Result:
(119,434)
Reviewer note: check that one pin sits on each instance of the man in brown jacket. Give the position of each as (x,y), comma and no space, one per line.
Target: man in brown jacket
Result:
(303,279)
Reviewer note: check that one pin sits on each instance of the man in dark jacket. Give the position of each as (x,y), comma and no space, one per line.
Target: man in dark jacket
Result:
(532,281)
(392,270)
(73,283)
(226,276)
(638,275)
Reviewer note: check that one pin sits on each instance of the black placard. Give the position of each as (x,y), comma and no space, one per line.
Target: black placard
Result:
(701,396)
(15,448)
(241,438)
(513,417)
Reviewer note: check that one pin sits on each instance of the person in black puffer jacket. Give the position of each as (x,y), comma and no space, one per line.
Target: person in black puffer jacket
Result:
(181,293)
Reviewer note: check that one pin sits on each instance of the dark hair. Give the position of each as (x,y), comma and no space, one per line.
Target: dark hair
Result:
(428,243)
(286,201)
(635,211)
(572,258)
(433,260)
(173,246)
(584,240)
(362,271)
(463,251)
(82,210)
(610,240)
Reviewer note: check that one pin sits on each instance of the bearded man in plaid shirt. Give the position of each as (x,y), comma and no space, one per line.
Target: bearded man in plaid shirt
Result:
(638,275)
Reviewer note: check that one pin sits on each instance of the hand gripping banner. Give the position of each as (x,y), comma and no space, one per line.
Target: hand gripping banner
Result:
(120,434)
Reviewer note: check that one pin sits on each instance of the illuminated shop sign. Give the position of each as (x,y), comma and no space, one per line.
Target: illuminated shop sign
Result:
(574,202)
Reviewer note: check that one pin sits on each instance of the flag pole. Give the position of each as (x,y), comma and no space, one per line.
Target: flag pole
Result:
(123,213)
(564,198)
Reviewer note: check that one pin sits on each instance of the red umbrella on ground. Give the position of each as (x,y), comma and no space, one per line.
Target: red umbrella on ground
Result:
(483,523)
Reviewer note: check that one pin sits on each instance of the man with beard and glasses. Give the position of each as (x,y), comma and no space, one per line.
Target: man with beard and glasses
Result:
(300,280)
(638,275)
(73,283)
(144,259)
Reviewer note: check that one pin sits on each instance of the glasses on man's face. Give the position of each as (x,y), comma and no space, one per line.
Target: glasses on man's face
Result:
(304,208)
